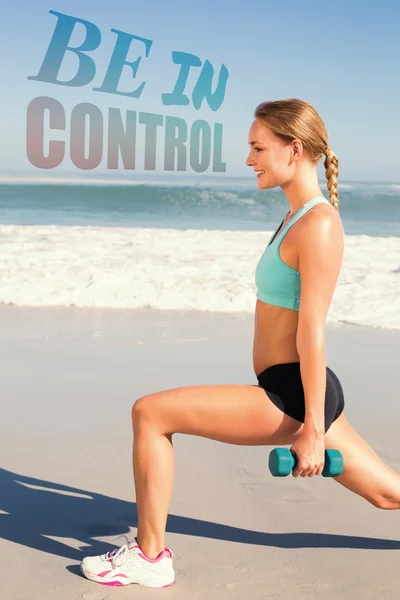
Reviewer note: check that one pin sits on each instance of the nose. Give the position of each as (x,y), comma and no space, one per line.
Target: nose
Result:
(250,161)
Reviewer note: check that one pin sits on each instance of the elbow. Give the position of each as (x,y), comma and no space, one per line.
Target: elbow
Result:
(310,339)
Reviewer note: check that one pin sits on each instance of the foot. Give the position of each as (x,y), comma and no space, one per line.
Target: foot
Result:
(128,565)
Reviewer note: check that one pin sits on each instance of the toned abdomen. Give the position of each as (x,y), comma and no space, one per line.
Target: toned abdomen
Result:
(274,336)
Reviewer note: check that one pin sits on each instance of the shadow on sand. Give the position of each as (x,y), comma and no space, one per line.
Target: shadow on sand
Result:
(34,509)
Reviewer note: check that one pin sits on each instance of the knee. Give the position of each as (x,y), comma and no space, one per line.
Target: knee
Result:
(140,408)
(143,409)
(384,503)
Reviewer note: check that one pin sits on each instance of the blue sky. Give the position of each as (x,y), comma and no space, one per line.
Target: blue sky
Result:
(343,58)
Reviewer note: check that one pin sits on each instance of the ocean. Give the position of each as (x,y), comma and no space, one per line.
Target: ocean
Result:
(183,244)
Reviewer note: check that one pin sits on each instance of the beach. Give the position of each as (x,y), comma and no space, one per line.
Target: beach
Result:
(154,157)
(69,377)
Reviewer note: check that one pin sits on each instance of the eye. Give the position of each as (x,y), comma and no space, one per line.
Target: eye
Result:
(258,149)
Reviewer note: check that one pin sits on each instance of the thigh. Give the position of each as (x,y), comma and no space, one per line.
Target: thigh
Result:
(364,471)
(234,414)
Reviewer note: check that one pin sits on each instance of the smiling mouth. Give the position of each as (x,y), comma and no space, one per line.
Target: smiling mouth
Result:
(259,173)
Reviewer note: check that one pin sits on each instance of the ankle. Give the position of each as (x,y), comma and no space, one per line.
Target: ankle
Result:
(151,549)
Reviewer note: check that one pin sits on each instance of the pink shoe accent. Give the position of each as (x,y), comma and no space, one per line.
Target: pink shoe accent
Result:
(118,584)
(104,573)
(166,553)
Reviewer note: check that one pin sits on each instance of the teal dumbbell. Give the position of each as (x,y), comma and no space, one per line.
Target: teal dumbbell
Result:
(282,462)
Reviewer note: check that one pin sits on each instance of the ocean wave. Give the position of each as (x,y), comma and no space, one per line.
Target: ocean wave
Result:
(375,203)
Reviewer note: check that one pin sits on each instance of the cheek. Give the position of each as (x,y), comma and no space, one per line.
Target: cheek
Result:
(281,164)
(277,170)
(275,166)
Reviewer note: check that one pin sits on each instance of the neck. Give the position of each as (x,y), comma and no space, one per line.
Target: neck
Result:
(300,191)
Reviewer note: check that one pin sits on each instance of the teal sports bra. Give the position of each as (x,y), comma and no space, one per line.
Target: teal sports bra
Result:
(276,282)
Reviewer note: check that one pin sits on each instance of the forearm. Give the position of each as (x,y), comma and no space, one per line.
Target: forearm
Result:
(311,351)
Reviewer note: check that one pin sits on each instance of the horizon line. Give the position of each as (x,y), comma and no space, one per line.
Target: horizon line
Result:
(68,179)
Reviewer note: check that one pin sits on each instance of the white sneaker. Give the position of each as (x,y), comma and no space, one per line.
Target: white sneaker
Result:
(130,565)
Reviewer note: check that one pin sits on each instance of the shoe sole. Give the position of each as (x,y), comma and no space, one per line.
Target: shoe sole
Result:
(126,581)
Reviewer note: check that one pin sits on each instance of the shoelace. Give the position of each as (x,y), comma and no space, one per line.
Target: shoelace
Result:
(115,554)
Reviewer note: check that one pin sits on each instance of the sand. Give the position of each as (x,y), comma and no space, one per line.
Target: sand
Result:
(68,379)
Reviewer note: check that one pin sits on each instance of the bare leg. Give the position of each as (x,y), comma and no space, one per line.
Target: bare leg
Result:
(153,466)
(364,472)
(241,415)
(234,414)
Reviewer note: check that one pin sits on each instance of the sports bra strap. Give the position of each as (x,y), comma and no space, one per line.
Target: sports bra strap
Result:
(305,208)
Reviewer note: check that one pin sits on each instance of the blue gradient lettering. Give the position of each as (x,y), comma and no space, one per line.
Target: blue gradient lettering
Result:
(177,97)
(202,89)
(118,61)
(58,46)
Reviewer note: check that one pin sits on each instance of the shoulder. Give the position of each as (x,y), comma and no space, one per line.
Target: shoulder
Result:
(320,228)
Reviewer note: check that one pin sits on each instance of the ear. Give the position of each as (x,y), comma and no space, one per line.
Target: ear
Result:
(297,149)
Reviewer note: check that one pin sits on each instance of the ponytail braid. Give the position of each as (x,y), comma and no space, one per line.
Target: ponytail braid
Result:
(331,165)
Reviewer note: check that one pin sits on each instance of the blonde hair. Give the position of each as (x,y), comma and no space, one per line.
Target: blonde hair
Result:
(296,119)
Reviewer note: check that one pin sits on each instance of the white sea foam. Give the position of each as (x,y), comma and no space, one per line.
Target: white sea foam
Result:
(205,270)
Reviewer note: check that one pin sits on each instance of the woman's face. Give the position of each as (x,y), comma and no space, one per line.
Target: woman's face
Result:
(270,157)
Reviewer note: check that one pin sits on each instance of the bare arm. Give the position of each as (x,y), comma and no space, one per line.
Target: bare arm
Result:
(320,246)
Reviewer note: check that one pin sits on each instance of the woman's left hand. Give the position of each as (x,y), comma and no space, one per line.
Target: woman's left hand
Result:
(310,453)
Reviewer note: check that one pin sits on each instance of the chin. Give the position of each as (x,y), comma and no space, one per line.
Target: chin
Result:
(265,185)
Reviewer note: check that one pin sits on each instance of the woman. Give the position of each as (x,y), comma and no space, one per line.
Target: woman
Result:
(298,400)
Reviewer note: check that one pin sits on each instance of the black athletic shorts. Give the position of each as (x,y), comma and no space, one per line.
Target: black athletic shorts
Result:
(283,386)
